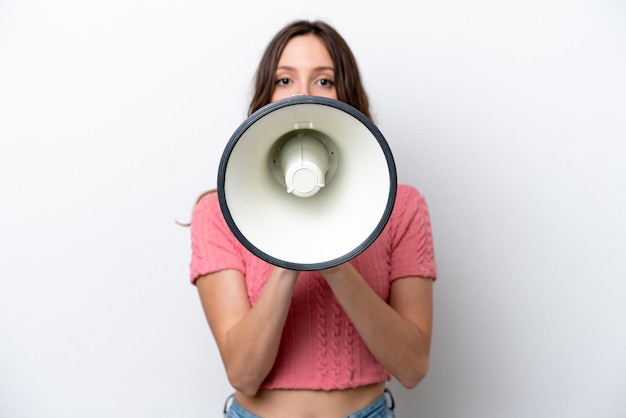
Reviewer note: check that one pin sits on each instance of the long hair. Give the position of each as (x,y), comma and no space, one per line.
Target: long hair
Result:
(348,82)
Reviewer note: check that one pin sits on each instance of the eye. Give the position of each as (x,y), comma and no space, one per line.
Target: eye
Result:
(282,81)
(324,82)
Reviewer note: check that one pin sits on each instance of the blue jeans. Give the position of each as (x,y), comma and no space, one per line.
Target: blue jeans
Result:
(380,408)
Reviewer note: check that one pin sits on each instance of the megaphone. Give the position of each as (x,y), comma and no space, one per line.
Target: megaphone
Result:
(307,183)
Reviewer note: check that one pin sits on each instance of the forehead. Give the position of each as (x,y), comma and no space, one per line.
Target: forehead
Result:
(303,49)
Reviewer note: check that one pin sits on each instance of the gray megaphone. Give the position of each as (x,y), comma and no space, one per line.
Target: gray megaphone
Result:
(307,183)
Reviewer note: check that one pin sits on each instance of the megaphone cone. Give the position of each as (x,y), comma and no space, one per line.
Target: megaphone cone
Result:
(307,183)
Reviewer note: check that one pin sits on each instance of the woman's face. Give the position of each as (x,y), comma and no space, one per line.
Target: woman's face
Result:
(305,68)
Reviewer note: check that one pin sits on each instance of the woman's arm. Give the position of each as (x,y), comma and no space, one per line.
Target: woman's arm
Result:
(247,337)
(398,334)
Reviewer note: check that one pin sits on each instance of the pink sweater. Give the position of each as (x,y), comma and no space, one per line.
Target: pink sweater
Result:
(320,348)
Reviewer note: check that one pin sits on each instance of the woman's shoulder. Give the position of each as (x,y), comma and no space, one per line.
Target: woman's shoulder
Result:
(409,203)
(406,193)
(206,209)
(206,201)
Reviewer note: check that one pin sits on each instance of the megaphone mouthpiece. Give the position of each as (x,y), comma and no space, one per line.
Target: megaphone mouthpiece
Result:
(304,160)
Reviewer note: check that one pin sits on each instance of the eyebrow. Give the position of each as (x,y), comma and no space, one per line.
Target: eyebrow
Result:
(289,68)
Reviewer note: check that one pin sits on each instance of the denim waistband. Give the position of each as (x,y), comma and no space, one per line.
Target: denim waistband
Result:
(382,407)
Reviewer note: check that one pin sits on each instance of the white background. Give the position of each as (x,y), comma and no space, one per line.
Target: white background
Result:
(510,117)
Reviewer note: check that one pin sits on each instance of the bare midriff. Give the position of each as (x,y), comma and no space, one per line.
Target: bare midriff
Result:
(310,403)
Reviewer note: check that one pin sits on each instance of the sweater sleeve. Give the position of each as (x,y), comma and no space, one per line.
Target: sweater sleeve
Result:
(213,246)
(412,252)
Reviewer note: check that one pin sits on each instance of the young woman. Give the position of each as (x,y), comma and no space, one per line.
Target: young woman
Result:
(317,344)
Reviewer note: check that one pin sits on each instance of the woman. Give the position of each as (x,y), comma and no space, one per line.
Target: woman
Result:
(317,344)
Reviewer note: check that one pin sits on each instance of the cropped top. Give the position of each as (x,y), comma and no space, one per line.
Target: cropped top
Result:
(320,348)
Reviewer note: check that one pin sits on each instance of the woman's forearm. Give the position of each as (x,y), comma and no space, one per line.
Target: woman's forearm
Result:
(401,343)
(249,343)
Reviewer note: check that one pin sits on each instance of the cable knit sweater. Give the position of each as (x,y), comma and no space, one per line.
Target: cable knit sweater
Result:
(320,348)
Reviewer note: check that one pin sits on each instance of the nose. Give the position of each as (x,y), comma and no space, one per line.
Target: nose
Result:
(303,90)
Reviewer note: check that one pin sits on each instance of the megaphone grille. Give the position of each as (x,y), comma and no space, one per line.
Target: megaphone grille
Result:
(317,232)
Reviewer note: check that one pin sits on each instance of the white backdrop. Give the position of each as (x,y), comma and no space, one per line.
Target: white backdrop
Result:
(510,117)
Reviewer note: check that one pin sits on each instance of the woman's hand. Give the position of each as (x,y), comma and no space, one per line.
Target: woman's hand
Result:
(335,273)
